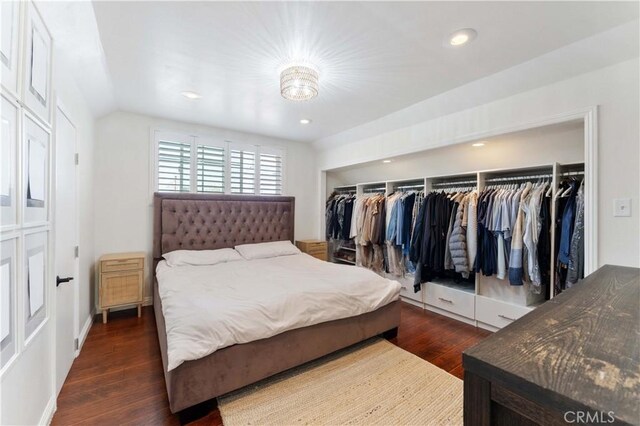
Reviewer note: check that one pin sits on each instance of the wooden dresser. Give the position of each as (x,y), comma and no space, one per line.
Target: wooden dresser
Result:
(573,360)
(315,248)
(121,281)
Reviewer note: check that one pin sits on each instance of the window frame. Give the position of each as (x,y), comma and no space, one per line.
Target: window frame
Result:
(194,140)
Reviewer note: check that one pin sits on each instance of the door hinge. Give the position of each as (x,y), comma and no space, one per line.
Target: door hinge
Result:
(76,343)
(76,251)
(77,158)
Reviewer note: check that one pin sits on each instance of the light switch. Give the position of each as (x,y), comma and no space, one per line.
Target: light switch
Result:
(622,207)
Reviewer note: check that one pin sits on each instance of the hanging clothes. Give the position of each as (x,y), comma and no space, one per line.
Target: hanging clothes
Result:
(569,234)
(370,231)
(338,215)
(438,246)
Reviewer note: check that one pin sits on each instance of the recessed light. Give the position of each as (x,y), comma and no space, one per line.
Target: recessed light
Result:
(478,144)
(305,121)
(463,36)
(191,95)
(386,161)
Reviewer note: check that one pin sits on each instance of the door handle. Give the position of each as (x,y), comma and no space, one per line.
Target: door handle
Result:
(62,280)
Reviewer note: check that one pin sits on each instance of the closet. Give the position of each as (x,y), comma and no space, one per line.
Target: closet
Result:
(495,285)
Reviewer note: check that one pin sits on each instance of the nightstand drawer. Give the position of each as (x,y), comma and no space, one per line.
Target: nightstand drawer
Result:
(321,256)
(317,250)
(119,288)
(121,265)
(309,246)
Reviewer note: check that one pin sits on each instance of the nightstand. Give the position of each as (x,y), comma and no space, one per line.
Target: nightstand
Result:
(120,282)
(315,248)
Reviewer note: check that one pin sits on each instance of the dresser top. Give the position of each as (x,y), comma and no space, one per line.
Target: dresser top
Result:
(311,241)
(120,256)
(582,348)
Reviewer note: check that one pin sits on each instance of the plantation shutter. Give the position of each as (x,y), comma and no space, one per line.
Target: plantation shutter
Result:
(270,173)
(242,171)
(210,168)
(174,166)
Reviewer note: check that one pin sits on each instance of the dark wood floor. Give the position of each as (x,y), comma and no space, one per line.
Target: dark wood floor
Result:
(118,379)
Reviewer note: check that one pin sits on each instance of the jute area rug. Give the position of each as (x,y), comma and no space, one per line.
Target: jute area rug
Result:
(373,383)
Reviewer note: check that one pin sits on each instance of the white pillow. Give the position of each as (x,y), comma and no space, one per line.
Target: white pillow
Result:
(201,257)
(265,250)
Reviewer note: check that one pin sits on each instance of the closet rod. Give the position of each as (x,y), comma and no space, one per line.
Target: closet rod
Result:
(460,183)
(382,189)
(519,178)
(418,185)
(575,173)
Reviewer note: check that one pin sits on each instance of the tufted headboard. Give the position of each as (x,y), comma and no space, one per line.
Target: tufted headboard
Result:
(208,222)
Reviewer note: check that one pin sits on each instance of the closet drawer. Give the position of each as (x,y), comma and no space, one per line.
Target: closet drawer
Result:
(407,288)
(497,313)
(449,299)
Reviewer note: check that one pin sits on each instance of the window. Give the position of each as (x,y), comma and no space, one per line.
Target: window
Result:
(174,163)
(243,171)
(211,169)
(185,163)
(270,173)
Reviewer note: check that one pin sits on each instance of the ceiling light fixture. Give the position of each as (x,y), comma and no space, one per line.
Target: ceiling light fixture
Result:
(478,144)
(299,83)
(191,95)
(462,36)
(386,161)
(305,121)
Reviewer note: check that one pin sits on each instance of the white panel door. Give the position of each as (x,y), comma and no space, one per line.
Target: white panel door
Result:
(66,234)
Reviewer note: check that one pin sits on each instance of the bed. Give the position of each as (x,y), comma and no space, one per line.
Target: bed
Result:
(199,222)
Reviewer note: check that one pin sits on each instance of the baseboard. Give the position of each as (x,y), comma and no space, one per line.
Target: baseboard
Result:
(450,315)
(412,302)
(49,410)
(487,327)
(147,301)
(84,332)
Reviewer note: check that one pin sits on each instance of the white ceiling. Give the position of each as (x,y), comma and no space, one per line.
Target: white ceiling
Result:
(374,57)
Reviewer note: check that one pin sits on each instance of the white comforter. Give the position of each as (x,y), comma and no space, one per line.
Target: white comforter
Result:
(207,308)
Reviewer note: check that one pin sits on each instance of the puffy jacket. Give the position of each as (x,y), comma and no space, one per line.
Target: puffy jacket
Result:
(458,245)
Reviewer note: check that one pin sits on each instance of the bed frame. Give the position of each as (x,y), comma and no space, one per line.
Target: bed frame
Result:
(200,222)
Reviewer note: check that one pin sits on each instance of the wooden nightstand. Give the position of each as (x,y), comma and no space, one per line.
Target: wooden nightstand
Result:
(121,280)
(315,248)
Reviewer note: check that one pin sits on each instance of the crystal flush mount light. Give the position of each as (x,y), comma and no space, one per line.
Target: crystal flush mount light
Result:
(299,83)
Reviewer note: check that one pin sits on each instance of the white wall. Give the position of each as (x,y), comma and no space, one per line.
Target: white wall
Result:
(614,89)
(28,392)
(123,204)
(563,144)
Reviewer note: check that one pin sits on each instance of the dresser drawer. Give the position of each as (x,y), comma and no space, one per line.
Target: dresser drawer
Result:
(119,288)
(121,265)
(497,313)
(449,299)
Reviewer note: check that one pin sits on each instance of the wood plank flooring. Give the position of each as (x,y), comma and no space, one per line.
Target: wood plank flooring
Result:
(118,379)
